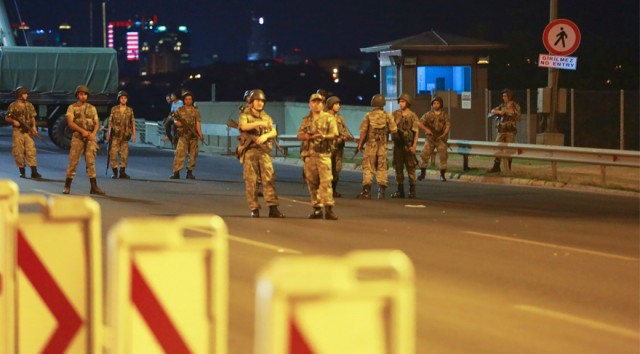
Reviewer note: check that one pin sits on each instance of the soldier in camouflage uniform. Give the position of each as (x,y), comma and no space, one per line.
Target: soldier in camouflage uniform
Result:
(507,117)
(187,119)
(82,119)
(122,127)
(317,132)
(24,148)
(436,124)
(375,128)
(333,108)
(254,151)
(404,147)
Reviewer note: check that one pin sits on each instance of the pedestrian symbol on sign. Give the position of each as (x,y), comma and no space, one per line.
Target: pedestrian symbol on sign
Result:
(561,36)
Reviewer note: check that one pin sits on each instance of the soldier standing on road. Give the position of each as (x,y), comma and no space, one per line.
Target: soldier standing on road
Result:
(374,131)
(82,119)
(333,108)
(122,127)
(404,147)
(256,129)
(507,117)
(317,132)
(24,148)
(436,124)
(247,95)
(187,119)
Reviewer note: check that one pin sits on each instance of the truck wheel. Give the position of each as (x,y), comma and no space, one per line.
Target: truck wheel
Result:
(60,133)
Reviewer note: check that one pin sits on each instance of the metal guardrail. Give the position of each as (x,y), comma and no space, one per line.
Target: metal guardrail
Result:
(553,154)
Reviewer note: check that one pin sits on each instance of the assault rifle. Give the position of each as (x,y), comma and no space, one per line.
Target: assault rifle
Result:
(248,138)
(27,128)
(106,171)
(191,128)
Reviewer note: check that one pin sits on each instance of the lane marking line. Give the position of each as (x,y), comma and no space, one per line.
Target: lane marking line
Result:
(264,245)
(306,202)
(579,321)
(250,242)
(551,245)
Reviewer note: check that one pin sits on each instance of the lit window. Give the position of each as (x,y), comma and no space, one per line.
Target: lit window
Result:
(443,78)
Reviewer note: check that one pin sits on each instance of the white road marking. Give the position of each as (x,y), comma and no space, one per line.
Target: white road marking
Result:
(258,244)
(580,321)
(551,245)
(264,245)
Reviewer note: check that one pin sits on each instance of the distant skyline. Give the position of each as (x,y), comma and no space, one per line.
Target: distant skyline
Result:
(339,28)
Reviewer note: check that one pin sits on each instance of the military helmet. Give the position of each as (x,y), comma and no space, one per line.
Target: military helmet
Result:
(186,93)
(122,93)
(406,97)
(508,92)
(82,88)
(439,99)
(21,90)
(257,94)
(332,100)
(247,93)
(378,101)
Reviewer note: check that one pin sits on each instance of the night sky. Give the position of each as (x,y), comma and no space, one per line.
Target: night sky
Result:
(339,28)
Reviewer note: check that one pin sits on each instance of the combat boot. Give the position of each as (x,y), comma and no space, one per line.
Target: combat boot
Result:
(423,172)
(34,172)
(334,186)
(496,166)
(317,213)
(190,175)
(381,192)
(274,212)
(442,177)
(400,192)
(123,173)
(114,173)
(328,213)
(412,191)
(255,213)
(21,172)
(67,186)
(175,175)
(366,192)
(94,187)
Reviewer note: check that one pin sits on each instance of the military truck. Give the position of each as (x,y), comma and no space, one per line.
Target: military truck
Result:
(51,75)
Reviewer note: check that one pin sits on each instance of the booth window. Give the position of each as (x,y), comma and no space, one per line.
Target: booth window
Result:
(390,81)
(443,78)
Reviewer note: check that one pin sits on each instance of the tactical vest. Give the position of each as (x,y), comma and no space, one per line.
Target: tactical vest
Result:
(121,122)
(83,117)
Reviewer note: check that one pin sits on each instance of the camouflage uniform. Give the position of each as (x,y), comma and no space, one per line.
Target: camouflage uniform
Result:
(507,126)
(188,141)
(437,123)
(24,147)
(257,161)
(338,152)
(122,124)
(316,155)
(85,116)
(407,123)
(376,125)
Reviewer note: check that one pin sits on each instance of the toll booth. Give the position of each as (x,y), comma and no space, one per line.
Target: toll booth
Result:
(443,64)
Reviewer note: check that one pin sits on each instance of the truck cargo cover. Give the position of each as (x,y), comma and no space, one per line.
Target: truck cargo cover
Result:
(58,69)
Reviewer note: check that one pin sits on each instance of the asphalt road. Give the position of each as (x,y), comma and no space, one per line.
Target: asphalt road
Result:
(499,269)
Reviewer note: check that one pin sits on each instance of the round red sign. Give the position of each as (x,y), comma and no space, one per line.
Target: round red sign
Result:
(561,37)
